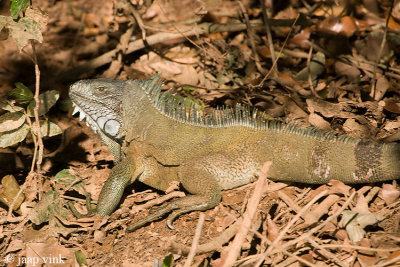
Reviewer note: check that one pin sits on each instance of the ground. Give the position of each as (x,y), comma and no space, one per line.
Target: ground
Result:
(330,65)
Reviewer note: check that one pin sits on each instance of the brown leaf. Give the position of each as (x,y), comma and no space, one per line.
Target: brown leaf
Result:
(390,193)
(343,25)
(382,85)
(352,127)
(302,39)
(339,187)
(371,48)
(394,255)
(50,249)
(10,191)
(351,72)
(328,109)
(320,209)
(291,108)
(319,122)
(272,229)
(392,107)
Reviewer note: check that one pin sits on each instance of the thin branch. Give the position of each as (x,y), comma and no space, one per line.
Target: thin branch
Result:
(328,254)
(235,247)
(250,34)
(322,225)
(378,58)
(213,245)
(280,52)
(39,148)
(310,82)
(295,219)
(274,67)
(195,242)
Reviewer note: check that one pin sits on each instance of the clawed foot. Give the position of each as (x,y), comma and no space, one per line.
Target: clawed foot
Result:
(90,209)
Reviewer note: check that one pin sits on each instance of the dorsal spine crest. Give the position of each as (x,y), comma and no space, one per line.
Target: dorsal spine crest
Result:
(187,111)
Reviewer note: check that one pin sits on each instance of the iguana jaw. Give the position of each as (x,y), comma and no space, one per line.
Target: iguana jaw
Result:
(82,115)
(101,108)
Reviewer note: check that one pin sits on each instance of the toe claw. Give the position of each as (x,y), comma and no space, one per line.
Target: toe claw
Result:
(169,224)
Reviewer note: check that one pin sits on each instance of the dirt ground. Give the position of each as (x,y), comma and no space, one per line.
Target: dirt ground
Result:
(333,65)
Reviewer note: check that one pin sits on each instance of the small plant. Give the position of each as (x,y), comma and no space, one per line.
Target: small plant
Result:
(16,121)
(24,25)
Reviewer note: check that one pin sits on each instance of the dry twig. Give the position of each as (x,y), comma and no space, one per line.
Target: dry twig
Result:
(235,247)
(195,242)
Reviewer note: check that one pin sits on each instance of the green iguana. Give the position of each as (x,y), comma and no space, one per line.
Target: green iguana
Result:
(157,139)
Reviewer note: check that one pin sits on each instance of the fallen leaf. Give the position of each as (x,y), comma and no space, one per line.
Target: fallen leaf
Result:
(272,229)
(351,72)
(393,107)
(319,122)
(355,222)
(353,128)
(339,187)
(382,85)
(389,193)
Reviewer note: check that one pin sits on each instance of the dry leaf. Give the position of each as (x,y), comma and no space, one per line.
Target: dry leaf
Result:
(355,222)
(353,128)
(382,85)
(389,193)
(339,187)
(319,122)
(351,72)
(393,107)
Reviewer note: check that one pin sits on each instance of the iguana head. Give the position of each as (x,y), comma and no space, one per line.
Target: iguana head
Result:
(99,101)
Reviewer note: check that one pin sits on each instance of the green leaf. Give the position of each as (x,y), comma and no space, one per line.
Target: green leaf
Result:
(65,177)
(81,258)
(167,261)
(18,6)
(11,121)
(48,128)
(188,88)
(46,101)
(24,30)
(13,137)
(21,94)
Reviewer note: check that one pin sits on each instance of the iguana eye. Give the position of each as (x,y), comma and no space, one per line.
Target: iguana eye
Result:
(100,89)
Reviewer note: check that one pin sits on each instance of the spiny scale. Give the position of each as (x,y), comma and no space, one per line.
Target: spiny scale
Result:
(190,112)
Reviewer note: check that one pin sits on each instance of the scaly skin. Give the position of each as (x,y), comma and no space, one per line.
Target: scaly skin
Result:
(157,147)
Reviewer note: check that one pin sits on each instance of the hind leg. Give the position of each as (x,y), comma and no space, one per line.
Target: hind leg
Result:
(205,194)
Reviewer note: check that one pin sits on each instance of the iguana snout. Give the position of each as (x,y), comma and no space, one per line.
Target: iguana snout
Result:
(99,101)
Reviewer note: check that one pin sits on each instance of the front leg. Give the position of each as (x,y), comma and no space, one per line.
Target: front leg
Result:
(123,174)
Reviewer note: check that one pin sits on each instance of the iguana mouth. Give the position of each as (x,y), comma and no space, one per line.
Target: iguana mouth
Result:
(82,115)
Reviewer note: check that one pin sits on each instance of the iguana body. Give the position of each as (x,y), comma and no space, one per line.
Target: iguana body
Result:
(156,139)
